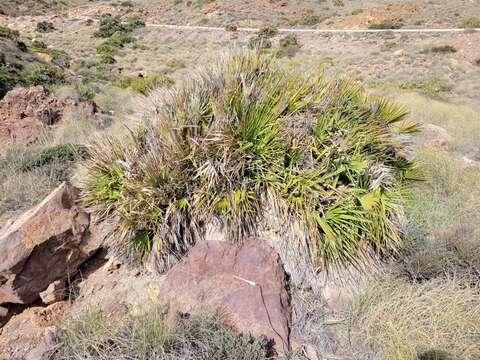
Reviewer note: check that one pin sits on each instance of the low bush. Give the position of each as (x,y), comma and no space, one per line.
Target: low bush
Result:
(393,319)
(246,138)
(432,87)
(109,25)
(58,57)
(8,79)
(155,334)
(43,74)
(443,49)
(259,42)
(45,27)
(387,24)
(117,34)
(267,31)
(471,23)
(144,84)
(85,92)
(231,27)
(288,46)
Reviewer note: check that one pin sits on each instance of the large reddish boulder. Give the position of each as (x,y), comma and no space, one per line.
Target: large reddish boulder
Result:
(246,283)
(47,243)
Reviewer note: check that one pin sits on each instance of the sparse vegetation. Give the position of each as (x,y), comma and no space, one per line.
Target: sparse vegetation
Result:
(217,153)
(155,334)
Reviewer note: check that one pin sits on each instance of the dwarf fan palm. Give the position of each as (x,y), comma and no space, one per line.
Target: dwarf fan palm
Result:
(245,136)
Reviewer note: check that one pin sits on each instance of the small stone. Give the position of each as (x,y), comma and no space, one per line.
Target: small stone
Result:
(55,292)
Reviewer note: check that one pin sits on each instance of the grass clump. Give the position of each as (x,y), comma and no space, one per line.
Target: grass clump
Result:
(244,138)
(40,169)
(394,319)
(471,23)
(387,24)
(439,245)
(145,84)
(156,334)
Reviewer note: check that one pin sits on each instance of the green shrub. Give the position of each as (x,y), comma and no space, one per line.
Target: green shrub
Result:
(246,141)
(7,79)
(477,62)
(85,92)
(43,74)
(134,23)
(357,11)
(267,31)
(387,24)
(310,20)
(155,335)
(432,87)
(127,4)
(117,34)
(259,42)
(144,85)
(471,23)
(109,25)
(7,33)
(443,49)
(231,27)
(45,27)
(288,46)
(61,154)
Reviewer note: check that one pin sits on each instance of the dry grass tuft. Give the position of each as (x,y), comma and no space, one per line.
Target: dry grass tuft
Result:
(155,335)
(393,319)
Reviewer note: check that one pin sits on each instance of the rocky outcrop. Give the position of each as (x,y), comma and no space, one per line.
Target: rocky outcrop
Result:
(47,243)
(26,112)
(246,283)
(30,334)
